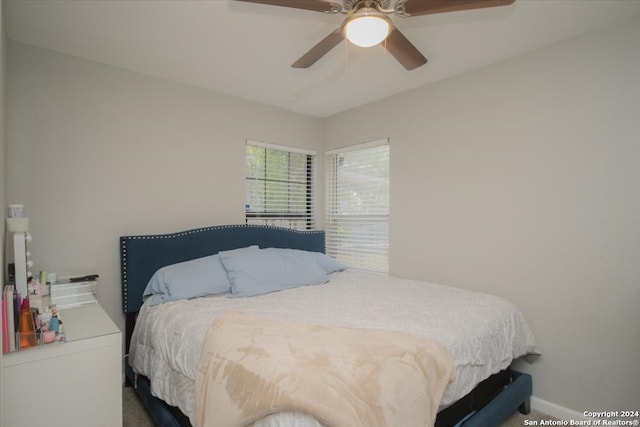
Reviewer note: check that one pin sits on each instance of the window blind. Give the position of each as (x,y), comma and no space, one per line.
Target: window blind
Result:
(279,186)
(357,216)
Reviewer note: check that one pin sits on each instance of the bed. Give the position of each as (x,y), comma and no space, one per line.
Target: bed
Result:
(482,392)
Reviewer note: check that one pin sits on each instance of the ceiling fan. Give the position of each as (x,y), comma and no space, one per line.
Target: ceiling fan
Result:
(368,24)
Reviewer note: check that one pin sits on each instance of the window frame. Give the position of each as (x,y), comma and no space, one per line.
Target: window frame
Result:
(266,216)
(334,219)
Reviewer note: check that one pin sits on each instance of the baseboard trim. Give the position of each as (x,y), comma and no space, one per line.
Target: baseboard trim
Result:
(556,411)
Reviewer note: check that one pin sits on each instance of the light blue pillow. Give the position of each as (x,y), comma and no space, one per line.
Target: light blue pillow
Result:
(232,252)
(195,278)
(330,265)
(258,272)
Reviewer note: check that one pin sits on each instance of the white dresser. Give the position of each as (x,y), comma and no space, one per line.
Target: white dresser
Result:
(73,384)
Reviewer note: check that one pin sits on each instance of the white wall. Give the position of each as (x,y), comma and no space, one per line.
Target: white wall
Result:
(3,145)
(98,152)
(521,179)
(3,181)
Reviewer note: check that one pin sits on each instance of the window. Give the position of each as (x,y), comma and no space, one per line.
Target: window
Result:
(357,218)
(279,186)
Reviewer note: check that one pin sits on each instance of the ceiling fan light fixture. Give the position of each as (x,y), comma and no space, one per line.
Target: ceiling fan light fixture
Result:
(367,27)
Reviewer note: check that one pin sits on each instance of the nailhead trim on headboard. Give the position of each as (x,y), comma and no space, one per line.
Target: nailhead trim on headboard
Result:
(125,240)
(123,267)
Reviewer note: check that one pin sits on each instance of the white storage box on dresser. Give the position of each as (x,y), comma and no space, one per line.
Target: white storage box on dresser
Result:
(73,384)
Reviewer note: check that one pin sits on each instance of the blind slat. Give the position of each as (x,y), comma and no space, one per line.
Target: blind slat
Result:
(279,186)
(357,208)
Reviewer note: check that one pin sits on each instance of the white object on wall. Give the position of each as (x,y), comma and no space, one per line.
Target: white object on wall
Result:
(20,229)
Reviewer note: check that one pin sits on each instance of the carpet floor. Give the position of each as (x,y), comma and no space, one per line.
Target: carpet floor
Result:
(134,414)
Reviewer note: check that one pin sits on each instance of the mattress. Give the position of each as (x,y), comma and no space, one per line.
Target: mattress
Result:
(482,332)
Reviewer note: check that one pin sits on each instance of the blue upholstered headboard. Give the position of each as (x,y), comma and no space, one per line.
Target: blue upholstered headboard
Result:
(141,256)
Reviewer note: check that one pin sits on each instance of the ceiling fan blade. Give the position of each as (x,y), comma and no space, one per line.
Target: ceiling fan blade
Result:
(319,50)
(402,49)
(427,7)
(315,5)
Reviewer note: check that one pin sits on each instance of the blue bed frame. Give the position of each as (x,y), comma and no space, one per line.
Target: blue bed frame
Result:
(143,255)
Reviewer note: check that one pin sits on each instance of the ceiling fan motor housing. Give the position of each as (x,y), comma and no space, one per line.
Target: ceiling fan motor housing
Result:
(367,27)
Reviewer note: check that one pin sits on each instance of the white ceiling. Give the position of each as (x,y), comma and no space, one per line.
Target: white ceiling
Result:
(246,50)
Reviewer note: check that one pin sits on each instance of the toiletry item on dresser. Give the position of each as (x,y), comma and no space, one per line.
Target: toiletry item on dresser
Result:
(54,324)
(48,337)
(26,326)
(61,335)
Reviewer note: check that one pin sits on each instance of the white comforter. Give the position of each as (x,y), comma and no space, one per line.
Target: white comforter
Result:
(483,333)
